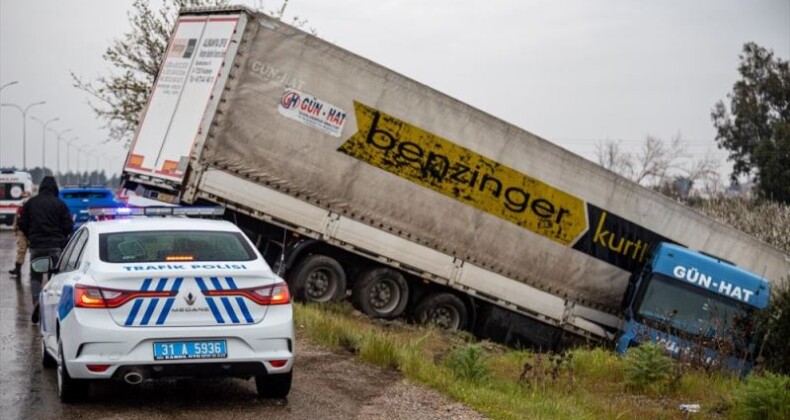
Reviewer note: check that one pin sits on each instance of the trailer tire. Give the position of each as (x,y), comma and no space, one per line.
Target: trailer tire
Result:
(319,278)
(381,293)
(444,310)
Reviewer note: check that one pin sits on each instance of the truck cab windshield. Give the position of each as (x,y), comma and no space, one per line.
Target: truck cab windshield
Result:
(670,303)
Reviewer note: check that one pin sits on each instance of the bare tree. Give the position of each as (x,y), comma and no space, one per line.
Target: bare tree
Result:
(705,173)
(656,160)
(660,165)
(612,157)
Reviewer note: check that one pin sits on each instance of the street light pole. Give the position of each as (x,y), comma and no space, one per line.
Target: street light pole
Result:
(24,127)
(68,158)
(80,150)
(1,89)
(88,164)
(44,139)
(60,134)
(95,169)
(99,170)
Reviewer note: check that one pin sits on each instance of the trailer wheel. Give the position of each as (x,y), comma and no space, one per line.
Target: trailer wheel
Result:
(445,310)
(381,293)
(319,278)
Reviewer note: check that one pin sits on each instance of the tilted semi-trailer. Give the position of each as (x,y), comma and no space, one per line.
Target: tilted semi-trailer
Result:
(352,177)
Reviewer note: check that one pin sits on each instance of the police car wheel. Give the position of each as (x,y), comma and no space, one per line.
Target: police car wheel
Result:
(69,389)
(47,360)
(274,386)
(319,278)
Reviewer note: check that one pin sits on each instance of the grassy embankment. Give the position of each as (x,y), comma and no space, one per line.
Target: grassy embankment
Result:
(507,384)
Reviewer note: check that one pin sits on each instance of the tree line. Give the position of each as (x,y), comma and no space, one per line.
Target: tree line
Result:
(74,178)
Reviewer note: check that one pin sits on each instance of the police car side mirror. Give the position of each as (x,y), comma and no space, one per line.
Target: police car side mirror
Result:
(41,264)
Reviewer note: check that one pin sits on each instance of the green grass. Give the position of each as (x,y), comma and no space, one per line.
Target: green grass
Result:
(379,349)
(504,383)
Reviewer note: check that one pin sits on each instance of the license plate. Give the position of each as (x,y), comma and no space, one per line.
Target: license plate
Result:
(179,350)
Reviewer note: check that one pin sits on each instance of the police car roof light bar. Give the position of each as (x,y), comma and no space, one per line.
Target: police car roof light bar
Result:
(204,211)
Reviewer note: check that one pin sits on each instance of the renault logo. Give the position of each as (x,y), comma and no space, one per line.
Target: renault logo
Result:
(190,298)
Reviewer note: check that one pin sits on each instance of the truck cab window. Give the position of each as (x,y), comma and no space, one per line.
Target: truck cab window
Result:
(687,308)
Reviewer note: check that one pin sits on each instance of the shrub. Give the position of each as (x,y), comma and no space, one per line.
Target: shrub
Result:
(648,369)
(468,362)
(764,397)
(775,327)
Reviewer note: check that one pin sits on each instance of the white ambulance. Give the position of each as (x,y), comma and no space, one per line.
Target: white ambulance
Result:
(13,185)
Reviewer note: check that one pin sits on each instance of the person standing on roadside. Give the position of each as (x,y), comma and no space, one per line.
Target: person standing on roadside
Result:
(21,242)
(47,223)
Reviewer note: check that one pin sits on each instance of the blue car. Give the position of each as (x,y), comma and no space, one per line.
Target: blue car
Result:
(80,199)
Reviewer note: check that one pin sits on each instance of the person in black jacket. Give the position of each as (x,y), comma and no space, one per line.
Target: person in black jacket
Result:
(47,223)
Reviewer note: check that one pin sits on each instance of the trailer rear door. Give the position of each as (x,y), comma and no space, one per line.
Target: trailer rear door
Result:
(199,53)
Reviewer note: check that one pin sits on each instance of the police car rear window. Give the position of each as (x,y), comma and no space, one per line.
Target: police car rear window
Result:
(173,246)
(86,194)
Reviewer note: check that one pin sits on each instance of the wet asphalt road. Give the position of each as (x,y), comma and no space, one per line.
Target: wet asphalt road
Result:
(326,384)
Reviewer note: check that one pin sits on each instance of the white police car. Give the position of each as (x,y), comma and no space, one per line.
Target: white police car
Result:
(141,298)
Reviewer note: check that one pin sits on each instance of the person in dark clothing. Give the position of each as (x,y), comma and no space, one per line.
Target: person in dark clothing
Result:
(47,223)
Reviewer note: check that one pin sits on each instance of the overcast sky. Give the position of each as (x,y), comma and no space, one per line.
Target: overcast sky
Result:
(573,72)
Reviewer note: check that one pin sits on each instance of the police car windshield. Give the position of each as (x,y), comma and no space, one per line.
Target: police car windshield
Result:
(173,246)
(698,312)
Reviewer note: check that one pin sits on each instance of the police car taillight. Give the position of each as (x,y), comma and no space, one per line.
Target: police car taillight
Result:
(88,297)
(97,297)
(276,294)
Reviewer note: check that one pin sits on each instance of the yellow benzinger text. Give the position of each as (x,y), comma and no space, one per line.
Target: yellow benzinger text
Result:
(455,171)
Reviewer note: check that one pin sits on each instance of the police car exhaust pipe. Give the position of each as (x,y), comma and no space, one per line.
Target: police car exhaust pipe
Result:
(134,377)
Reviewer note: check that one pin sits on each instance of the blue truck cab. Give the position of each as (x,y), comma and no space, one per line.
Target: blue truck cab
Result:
(690,302)
(80,199)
